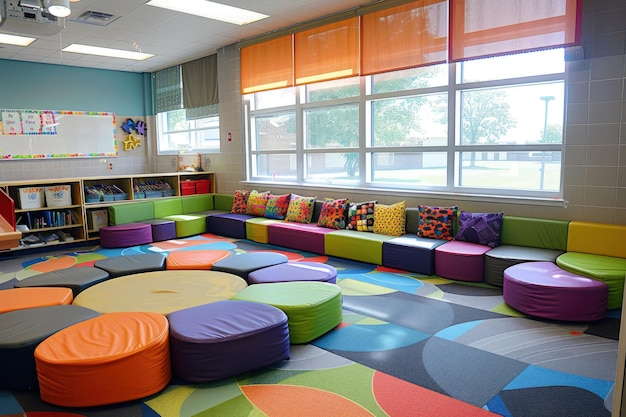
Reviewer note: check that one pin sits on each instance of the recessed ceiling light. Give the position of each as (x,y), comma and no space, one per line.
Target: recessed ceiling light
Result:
(114,53)
(210,10)
(16,40)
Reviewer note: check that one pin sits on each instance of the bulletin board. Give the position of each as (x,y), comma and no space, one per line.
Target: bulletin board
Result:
(41,134)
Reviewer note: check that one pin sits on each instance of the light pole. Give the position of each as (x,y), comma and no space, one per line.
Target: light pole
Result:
(547,99)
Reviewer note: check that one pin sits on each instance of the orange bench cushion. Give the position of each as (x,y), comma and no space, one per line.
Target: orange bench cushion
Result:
(194,259)
(20,298)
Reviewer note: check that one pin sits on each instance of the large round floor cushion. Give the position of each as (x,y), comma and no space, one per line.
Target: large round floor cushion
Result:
(108,359)
(77,278)
(226,338)
(194,259)
(294,271)
(313,308)
(21,331)
(543,289)
(160,291)
(118,266)
(20,298)
(125,235)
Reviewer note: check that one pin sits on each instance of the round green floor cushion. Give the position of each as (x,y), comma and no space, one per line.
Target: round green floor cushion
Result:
(312,308)
(608,269)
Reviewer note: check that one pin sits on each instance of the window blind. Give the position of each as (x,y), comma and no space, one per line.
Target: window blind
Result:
(168,90)
(267,65)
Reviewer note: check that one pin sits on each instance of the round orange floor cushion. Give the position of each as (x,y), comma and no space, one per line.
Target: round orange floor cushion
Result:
(109,359)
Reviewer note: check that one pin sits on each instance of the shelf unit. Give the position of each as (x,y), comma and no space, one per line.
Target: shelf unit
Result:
(81,211)
(66,221)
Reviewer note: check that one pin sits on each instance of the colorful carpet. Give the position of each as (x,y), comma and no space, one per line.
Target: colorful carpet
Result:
(409,345)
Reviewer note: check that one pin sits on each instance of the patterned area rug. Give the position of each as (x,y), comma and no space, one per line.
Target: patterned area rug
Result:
(409,345)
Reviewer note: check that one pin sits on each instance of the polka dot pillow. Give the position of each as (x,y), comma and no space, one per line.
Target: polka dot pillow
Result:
(300,209)
(437,222)
(390,219)
(333,214)
(277,206)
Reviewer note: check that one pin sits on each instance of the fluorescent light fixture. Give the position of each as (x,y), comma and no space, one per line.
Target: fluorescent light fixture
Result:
(58,8)
(16,40)
(114,53)
(210,10)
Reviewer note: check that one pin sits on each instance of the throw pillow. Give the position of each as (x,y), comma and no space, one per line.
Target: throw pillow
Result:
(257,202)
(300,209)
(390,219)
(277,206)
(481,228)
(240,202)
(361,216)
(437,222)
(333,214)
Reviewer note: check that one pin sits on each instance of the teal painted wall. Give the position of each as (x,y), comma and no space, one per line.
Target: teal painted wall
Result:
(28,85)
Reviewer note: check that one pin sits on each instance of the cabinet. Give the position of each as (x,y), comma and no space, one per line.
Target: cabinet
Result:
(48,212)
(81,205)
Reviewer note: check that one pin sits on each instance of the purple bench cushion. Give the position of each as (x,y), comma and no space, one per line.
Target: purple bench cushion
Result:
(411,253)
(226,338)
(301,236)
(228,224)
(125,235)
(162,229)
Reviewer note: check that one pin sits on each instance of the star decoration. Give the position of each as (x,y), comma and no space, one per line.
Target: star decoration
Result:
(128,126)
(131,142)
(140,127)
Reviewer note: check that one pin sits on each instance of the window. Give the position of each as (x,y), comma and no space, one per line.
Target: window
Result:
(177,131)
(490,126)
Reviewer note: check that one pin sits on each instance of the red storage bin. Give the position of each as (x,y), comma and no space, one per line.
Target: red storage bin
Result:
(203,186)
(188,187)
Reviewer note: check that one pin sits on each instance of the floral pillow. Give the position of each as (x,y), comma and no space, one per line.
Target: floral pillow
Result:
(277,206)
(481,228)
(257,202)
(361,216)
(240,202)
(437,222)
(300,209)
(333,214)
(390,219)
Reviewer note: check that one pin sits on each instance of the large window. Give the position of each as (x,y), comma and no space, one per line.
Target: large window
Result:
(178,132)
(490,126)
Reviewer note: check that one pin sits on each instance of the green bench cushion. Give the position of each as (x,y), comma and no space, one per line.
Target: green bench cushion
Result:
(608,269)
(188,224)
(197,203)
(131,212)
(535,233)
(359,246)
(167,207)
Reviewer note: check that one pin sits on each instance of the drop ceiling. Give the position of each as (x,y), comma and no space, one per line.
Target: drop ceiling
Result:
(172,37)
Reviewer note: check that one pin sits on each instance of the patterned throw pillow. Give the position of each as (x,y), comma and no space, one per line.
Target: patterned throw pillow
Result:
(361,216)
(300,209)
(333,214)
(277,206)
(240,202)
(437,222)
(481,228)
(257,202)
(390,220)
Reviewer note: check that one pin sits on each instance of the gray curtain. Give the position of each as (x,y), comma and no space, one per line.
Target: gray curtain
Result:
(168,89)
(200,82)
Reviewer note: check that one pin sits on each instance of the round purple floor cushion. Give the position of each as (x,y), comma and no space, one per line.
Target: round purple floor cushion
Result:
(542,289)
(294,271)
(226,338)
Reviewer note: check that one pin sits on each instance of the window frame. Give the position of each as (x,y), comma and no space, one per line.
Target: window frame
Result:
(452,148)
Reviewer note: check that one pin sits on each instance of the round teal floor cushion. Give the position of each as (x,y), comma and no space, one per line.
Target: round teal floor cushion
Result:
(312,308)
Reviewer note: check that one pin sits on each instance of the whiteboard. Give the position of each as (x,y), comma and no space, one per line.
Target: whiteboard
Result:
(40,134)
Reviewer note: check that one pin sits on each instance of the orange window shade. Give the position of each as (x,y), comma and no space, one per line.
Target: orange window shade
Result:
(404,36)
(267,65)
(480,28)
(327,52)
